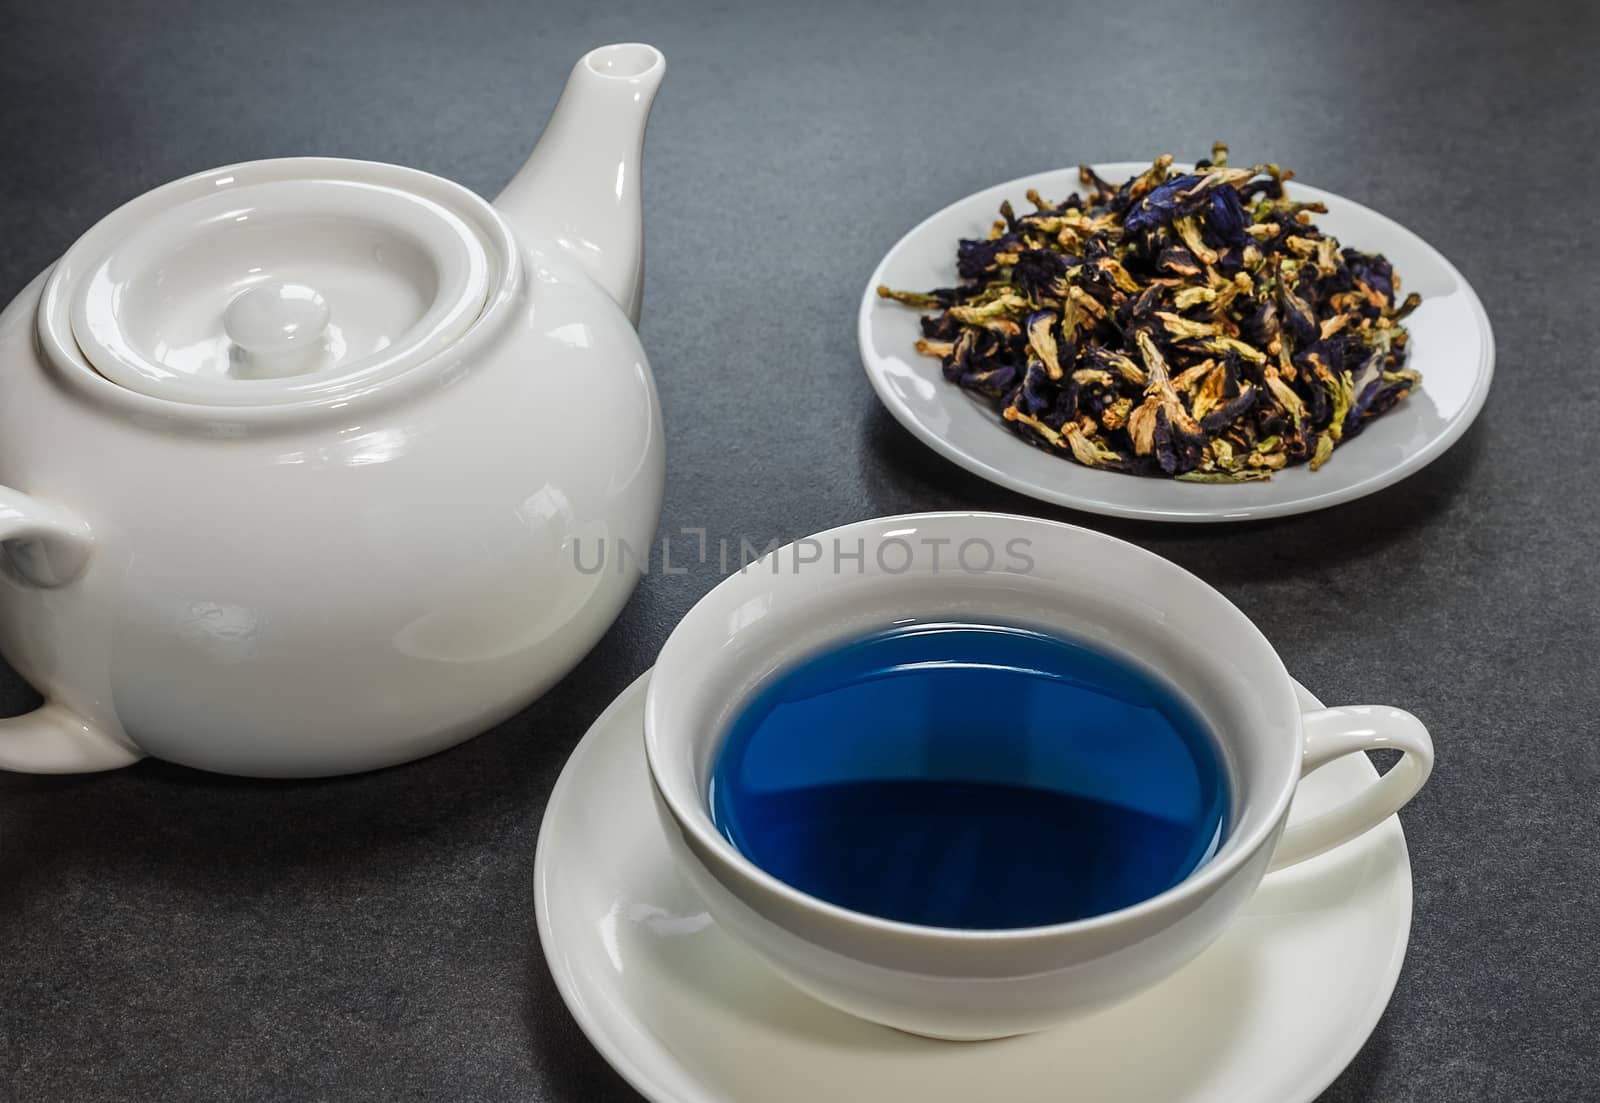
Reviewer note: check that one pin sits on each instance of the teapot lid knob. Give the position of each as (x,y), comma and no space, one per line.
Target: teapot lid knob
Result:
(216,290)
(277,329)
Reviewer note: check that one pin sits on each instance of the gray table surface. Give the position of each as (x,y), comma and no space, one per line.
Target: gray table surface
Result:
(169,934)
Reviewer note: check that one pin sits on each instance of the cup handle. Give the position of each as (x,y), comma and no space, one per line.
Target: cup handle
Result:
(1334,733)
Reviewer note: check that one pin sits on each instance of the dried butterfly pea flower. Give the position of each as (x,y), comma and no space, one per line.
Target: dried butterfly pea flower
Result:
(1195,325)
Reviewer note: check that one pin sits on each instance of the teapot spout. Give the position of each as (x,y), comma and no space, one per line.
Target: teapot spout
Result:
(579,190)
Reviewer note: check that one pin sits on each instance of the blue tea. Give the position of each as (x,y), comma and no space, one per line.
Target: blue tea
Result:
(971,776)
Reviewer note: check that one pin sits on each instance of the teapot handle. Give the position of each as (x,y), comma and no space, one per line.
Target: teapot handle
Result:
(52,739)
(50,547)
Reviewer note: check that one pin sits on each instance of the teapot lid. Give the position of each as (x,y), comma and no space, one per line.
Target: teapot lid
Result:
(278,281)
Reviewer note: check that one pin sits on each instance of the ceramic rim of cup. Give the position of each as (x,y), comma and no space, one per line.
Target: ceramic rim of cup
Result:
(689,811)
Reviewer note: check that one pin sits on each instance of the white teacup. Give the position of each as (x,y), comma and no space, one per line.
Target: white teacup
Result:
(995,568)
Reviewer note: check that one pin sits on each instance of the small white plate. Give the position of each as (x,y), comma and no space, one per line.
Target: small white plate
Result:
(1269,1014)
(1451,345)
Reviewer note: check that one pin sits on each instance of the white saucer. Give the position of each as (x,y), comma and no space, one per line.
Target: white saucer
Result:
(1269,1014)
(1451,345)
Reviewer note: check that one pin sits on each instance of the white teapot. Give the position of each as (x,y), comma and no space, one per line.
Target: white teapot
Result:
(307,464)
